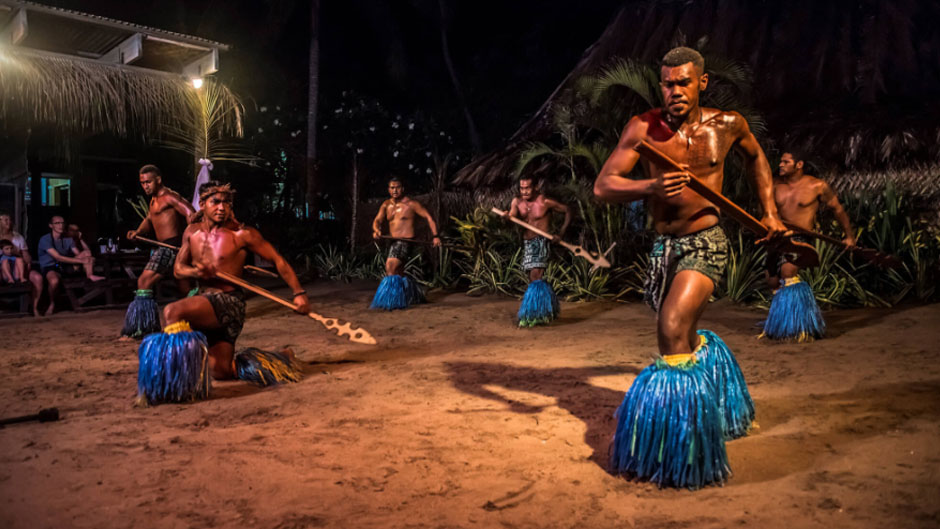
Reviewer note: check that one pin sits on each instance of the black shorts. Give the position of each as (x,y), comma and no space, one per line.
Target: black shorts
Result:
(67,270)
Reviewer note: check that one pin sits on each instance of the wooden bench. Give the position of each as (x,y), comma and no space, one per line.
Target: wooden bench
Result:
(21,291)
(81,292)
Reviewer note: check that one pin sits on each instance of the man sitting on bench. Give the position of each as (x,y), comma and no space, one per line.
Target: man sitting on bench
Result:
(56,253)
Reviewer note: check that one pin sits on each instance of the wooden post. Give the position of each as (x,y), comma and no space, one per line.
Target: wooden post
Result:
(355,202)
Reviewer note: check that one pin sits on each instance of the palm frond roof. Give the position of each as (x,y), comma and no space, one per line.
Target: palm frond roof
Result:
(822,67)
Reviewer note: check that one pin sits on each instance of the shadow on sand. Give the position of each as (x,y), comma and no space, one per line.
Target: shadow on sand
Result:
(571,388)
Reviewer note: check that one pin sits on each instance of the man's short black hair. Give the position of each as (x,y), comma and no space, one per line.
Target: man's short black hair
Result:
(396,179)
(5,213)
(150,168)
(5,242)
(797,154)
(531,177)
(682,55)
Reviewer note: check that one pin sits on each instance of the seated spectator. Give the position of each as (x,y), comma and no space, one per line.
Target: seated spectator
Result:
(19,242)
(56,252)
(75,233)
(12,269)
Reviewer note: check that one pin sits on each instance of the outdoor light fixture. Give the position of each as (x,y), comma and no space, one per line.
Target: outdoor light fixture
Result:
(197,82)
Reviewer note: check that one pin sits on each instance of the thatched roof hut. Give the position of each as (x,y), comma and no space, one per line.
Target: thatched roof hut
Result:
(68,77)
(855,82)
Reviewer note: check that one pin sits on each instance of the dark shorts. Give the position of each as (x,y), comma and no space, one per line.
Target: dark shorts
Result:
(400,250)
(705,252)
(536,253)
(774,260)
(229,308)
(66,270)
(162,259)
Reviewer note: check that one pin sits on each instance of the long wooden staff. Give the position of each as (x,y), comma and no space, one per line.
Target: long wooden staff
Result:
(425,243)
(807,256)
(354,335)
(255,269)
(595,259)
(874,256)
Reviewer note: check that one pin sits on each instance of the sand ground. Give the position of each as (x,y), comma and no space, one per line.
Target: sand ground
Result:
(458,419)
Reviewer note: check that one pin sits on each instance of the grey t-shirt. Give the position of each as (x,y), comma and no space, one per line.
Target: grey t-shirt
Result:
(63,246)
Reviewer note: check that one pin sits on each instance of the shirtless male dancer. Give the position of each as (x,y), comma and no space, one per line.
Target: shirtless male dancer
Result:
(687,261)
(218,243)
(167,218)
(199,339)
(539,305)
(398,291)
(794,314)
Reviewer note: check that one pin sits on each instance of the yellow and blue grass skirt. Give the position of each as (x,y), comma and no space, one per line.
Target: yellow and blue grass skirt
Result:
(669,427)
(794,314)
(392,294)
(143,315)
(734,400)
(539,305)
(265,368)
(174,366)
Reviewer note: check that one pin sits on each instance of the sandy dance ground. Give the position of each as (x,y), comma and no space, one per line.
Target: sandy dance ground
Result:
(458,419)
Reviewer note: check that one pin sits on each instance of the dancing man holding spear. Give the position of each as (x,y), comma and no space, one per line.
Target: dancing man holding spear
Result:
(794,314)
(673,421)
(167,218)
(174,365)
(539,304)
(397,291)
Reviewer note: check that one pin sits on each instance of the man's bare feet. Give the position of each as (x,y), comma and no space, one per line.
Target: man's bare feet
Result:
(123,338)
(50,309)
(94,277)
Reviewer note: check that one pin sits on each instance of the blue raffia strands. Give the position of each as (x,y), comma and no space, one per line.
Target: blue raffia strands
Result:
(265,368)
(669,429)
(539,305)
(392,294)
(174,366)
(794,314)
(734,400)
(414,292)
(142,317)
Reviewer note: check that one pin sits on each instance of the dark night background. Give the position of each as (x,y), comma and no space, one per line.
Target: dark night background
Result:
(856,81)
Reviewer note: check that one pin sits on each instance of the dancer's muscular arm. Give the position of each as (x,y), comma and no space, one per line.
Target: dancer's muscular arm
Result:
(828,197)
(560,208)
(420,210)
(612,184)
(513,209)
(257,244)
(759,170)
(182,267)
(144,227)
(377,223)
(181,206)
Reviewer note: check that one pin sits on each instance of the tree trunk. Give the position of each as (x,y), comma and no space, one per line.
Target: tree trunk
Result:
(458,91)
(355,203)
(313,89)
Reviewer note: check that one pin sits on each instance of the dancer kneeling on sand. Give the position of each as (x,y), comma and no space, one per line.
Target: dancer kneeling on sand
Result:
(397,291)
(794,314)
(166,218)
(199,339)
(539,304)
(674,419)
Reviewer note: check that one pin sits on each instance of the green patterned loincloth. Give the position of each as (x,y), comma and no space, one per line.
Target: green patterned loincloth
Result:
(705,252)
(774,260)
(229,308)
(161,261)
(400,250)
(536,253)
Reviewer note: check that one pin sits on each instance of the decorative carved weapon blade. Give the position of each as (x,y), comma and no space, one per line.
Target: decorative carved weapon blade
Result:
(593,258)
(354,335)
